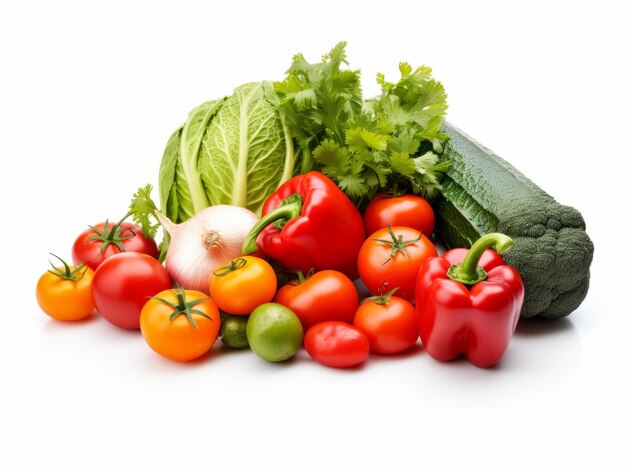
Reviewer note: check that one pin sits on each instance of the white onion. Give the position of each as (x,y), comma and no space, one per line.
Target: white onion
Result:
(210,239)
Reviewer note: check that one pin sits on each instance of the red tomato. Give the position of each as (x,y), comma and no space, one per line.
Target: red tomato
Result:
(336,344)
(123,283)
(406,210)
(327,295)
(389,322)
(391,258)
(88,247)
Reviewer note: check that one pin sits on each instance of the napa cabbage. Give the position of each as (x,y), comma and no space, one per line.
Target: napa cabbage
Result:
(236,150)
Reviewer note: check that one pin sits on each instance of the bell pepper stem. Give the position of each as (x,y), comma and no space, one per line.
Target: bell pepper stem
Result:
(469,272)
(290,208)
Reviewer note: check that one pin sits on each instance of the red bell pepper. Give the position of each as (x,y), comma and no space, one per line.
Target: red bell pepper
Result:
(309,223)
(464,308)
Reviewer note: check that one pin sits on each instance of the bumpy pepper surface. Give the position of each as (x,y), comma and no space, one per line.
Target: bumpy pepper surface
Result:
(309,223)
(464,308)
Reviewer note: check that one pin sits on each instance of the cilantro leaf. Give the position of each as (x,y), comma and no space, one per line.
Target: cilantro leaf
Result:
(319,99)
(388,143)
(143,210)
(402,163)
(362,140)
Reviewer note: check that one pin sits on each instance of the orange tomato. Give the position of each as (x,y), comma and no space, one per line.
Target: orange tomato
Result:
(242,285)
(180,324)
(65,293)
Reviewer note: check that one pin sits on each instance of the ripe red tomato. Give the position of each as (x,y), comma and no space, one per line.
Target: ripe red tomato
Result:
(327,295)
(123,283)
(99,242)
(406,210)
(391,258)
(389,322)
(336,344)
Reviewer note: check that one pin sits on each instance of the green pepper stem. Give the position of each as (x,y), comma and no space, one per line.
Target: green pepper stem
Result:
(290,208)
(469,272)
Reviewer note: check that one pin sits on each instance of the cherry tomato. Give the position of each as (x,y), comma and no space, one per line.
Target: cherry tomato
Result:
(123,283)
(181,325)
(389,322)
(406,210)
(99,242)
(327,295)
(391,258)
(64,293)
(242,285)
(336,344)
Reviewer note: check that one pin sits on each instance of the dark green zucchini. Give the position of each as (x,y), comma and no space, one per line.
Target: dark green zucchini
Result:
(483,193)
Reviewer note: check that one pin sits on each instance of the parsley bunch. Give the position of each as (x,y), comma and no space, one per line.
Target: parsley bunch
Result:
(389,143)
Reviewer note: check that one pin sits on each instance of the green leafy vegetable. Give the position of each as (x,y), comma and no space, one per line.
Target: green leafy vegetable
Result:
(318,100)
(388,143)
(143,210)
(236,150)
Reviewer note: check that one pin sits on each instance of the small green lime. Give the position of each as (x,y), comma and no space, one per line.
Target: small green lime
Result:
(234,331)
(274,332)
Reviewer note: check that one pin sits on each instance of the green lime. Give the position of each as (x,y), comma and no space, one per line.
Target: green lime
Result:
(274,332)
(234,331)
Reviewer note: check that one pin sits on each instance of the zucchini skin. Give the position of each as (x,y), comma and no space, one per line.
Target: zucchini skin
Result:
(483,193)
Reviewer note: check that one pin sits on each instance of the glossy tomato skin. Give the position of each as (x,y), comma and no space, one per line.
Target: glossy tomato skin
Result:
(327,295)
(178,339)
(123,283)
(241,290)
(66,300)
(406,210)
(336,344)
(88,251)
(380,275)
(391,327)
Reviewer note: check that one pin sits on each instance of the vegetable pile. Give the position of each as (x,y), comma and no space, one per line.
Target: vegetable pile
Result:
(278,200)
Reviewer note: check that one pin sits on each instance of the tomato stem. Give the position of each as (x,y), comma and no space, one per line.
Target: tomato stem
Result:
(231,267)
(381,298)
(112,236)
(397,244)
(65,272)
(302,277)
(183,307)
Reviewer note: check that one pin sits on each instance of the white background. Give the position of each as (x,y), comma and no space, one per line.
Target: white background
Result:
(90,92)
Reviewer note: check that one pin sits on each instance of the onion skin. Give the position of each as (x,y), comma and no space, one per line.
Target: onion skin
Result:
(210,239)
